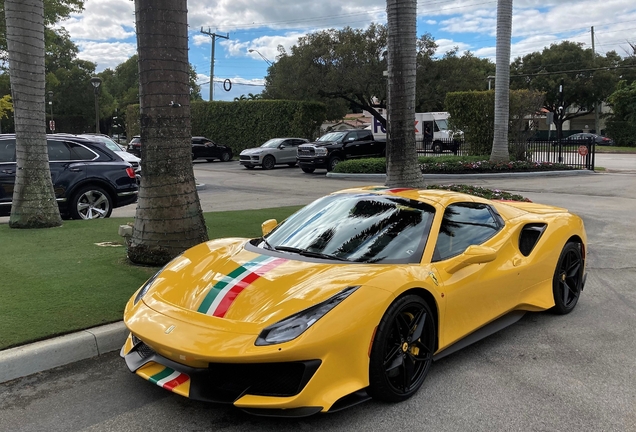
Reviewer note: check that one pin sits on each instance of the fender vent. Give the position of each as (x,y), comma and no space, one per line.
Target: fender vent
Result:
(530,235)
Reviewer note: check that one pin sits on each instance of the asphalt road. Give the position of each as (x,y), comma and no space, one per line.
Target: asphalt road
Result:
(545,373)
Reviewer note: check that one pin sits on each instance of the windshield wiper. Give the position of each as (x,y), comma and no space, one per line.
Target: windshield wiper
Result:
(307,253)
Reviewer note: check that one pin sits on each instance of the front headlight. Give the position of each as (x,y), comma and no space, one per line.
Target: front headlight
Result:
(144,289)
(321,151)
(292,327)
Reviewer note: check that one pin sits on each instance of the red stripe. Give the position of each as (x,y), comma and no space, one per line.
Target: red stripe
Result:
(398,190)
(231,295)
(170,385)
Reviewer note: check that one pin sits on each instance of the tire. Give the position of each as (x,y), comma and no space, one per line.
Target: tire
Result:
(291,164)
(567,282)
(91,202)
(308,170)
(402,351)
(268,162)
(250,167)
(437,147)
(225,156)
(333,162)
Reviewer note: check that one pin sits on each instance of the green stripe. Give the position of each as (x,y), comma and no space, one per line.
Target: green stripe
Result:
(161,375)
(217,288)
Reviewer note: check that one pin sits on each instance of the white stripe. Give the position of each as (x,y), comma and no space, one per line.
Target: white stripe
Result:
(169,378)
(250,267)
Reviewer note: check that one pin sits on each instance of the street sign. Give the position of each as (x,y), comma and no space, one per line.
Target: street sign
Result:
(52,125)
(583,150)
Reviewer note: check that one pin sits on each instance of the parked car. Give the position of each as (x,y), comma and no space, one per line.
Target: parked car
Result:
(352,297)
(202,148)
(205,148)
(273,152)
(584,136)
(89,179)
(334,147)
(116,148)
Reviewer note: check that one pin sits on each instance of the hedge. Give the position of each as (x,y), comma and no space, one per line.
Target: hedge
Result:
(245,124)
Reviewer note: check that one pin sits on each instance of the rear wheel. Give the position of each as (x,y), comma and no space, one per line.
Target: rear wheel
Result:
(91,202)
(568,279)
(269,162)
(307,170)
(437,147)
(225,156)
(402,351)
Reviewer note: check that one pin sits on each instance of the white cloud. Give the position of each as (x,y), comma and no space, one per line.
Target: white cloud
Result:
(103,20)
(106,54)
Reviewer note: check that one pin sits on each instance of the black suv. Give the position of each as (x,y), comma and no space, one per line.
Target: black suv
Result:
(202,148)
(89,179)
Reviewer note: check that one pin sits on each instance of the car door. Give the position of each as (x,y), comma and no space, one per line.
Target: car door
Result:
(351,145)
(7,174)
(476,293)
(287,151)
(366,145)
(67,162)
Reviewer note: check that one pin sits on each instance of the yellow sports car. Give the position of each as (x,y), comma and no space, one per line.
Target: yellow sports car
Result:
(351,297)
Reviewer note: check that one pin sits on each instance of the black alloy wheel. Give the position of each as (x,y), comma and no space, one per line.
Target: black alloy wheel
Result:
(225,156)
(402,351)
(308,170)
(269,162)
(437,147)
(568,279)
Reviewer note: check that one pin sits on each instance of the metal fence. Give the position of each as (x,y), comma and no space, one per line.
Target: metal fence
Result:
(578,153)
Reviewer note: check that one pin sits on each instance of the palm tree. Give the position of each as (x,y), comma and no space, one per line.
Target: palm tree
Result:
(402,167)
(169,217)
(34,204)
(502,82)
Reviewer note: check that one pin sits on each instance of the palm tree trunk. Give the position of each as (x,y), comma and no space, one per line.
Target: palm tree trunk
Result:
(34,204)
(169,217)
(502,82)
(402,167)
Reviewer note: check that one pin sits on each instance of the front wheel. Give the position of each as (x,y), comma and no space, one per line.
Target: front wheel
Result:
(568,279)
(333,162)
(269,162)
(91,202)
(307,170)
(402,351)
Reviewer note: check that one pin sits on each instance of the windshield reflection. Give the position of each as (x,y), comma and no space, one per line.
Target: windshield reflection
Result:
(359,228)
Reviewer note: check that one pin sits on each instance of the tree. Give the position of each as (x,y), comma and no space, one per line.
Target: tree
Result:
(342,68)
(621,125)
(451,73)
(502,82)
(169,217)
(583,75)
(34,204)
(402,167)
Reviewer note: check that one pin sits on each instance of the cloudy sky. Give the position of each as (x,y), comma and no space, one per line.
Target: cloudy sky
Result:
(105,32)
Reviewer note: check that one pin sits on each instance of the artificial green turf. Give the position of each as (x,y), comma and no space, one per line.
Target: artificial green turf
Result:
(57,280)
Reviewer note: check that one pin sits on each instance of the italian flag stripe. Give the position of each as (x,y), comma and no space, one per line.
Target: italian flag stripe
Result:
(169,378)
(224,292)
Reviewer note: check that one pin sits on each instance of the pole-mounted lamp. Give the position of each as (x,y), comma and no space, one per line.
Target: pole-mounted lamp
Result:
(262,56)
(96,82)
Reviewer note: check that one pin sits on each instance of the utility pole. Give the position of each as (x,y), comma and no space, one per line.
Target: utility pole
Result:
(596,125)
(213,36)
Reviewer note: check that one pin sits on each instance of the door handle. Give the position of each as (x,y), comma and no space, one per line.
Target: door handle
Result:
(75,169)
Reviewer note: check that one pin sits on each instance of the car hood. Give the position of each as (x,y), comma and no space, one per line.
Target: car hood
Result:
(250,151)
(222,278)
(128,157)
(320,143)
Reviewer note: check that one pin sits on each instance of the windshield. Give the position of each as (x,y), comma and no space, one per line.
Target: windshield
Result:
(442,124)
(110,144)
(273,143)
(332,136)
(359,228)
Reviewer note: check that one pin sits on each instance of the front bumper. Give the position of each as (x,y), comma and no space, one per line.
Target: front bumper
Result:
(319,162)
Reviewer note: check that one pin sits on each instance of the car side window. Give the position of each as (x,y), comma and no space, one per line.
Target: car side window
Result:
(463,225)
(58,151)
(7,151)
(351,136)
(79,152)
(364,135)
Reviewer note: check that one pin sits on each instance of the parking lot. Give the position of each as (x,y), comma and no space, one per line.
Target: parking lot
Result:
(545,373)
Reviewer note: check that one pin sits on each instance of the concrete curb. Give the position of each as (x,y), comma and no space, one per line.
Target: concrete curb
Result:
(454,177)
(59,351)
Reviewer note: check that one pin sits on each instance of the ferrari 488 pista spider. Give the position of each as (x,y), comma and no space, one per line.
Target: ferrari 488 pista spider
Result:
(351,297)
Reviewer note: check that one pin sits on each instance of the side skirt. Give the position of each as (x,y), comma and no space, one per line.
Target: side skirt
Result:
(493,327)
